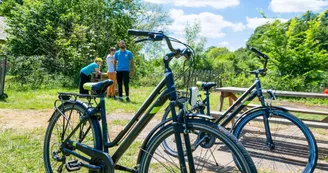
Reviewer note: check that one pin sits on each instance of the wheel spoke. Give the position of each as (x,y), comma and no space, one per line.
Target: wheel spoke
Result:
(59,129)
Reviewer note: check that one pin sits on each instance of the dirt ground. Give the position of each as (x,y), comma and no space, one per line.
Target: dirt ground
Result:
(30,119)
(24,119)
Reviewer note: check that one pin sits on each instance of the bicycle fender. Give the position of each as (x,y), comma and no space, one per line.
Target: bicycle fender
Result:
(77,102)
(258,108)
(203,116)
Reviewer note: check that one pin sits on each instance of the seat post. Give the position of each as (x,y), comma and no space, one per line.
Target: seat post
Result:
(207,95)
(104,120)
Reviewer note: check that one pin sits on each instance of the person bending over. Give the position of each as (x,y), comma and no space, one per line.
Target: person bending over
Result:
(86,72)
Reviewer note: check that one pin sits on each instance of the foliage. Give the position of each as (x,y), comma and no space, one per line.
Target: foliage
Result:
(33,73)
(297,49)
(7,5)
(70,34)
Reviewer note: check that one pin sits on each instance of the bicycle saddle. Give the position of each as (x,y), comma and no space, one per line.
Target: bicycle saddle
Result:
(98,87)
(208,85)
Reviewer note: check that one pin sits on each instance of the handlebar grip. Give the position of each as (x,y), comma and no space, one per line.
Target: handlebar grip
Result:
(256,51)
(138,32)
(259,53)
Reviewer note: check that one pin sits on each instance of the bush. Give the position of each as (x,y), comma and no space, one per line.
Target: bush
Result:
(28,71)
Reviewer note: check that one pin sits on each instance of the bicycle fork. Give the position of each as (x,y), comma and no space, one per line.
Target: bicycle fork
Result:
(269,141)
(178,129)
(266,115)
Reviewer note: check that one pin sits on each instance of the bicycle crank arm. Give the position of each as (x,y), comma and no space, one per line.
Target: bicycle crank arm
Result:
(98,157)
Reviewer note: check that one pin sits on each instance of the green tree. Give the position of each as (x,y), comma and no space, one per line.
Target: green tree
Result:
(297,49)
(70,34)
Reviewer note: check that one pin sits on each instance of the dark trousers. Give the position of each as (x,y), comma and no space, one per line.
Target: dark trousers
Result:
(123,77)
(84,79)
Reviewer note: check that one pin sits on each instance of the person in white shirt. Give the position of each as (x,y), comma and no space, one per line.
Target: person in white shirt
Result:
(111,72)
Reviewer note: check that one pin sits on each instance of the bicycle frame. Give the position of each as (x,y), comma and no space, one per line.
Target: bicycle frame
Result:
(241,103)
(130,132)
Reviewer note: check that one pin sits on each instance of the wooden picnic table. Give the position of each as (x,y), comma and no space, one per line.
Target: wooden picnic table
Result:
(277,92)
(230,93)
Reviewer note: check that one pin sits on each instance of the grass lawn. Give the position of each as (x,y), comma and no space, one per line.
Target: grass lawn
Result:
(22,150)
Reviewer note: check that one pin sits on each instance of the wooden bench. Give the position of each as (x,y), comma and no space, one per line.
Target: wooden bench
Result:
(230,93)
(101,78)
(97,79)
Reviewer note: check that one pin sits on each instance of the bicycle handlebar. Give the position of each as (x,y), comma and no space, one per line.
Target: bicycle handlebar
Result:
(137,32)
(159,36)
(264,56)
(258,53)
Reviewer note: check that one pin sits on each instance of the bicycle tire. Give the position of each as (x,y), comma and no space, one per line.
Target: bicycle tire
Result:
(228,149)
(295,148)
(73,113)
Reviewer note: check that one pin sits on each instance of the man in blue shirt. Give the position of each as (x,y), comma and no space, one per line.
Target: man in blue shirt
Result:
(86,72)
(124,69)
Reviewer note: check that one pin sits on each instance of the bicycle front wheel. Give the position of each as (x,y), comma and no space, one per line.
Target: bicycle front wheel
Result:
(213,150)
(294,148)
(60,128)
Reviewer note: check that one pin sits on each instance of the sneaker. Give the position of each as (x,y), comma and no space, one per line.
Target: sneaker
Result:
(127,99)
(120,99)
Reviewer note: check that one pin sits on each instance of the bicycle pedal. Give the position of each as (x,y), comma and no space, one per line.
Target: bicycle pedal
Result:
(73,166)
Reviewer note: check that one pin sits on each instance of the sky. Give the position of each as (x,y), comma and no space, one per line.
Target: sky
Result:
(229,23)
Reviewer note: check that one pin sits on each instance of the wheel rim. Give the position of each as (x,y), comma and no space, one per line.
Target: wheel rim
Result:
(290,152)
(54,157)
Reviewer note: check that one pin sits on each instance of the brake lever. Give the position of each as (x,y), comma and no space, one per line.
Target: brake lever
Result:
(272,94)
(177,53)
(187,53)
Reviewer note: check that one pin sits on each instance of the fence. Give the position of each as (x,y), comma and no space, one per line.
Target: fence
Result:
(2,76)
(191,77)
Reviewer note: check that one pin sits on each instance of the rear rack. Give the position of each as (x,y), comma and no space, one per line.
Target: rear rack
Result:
(73,98)
(67,96)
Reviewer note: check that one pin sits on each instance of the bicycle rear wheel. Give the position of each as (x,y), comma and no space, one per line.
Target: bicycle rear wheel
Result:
(294,150)
(59,128)
(215,151)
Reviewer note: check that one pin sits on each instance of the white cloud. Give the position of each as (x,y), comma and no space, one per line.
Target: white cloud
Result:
(223,44)
(256,21)
(230,46)
(217,4)
(288,6)
(211,24)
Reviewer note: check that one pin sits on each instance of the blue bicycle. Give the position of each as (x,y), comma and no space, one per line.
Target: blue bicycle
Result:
(276,140)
